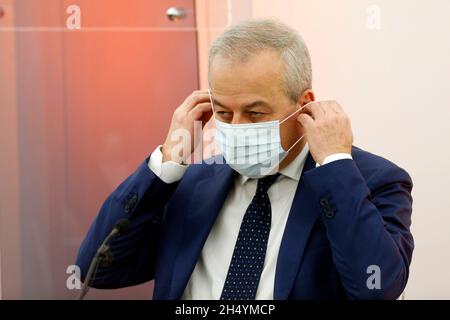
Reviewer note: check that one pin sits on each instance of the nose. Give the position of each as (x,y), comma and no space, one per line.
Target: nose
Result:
(239,119)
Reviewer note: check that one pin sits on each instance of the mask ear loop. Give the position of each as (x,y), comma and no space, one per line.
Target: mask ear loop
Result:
(300,139)
(295,112)
(291,116)
(212,104)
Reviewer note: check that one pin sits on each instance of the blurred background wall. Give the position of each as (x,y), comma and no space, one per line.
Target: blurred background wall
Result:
(79,111)
(387,63)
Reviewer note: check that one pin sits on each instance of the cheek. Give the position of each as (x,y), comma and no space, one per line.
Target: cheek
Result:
(290,131)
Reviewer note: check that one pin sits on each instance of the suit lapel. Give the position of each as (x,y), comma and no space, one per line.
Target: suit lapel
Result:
(301,220)
(207,200)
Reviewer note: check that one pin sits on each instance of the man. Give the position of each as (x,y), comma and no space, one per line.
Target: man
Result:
(296,212)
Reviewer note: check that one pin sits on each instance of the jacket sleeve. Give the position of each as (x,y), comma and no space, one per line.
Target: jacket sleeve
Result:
(368,227)
(141,199)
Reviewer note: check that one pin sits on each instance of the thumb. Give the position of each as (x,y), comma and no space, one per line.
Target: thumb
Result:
(305,120)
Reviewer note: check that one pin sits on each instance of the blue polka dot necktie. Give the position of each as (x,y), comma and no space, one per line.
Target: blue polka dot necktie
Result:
(250,250)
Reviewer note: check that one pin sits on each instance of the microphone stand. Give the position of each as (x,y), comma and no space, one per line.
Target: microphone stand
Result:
(101,254)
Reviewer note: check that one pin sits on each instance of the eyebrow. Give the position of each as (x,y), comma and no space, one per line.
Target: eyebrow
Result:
(248,106)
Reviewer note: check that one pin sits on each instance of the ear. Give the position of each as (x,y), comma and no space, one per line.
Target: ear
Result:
(306,96)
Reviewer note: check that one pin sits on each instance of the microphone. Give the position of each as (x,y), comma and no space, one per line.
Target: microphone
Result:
(103,253)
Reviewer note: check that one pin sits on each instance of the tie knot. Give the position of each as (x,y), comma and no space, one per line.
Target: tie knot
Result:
(265,183)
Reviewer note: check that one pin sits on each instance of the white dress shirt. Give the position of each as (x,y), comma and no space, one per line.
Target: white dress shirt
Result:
(208,277)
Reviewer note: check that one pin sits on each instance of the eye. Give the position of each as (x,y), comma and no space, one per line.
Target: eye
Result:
(256,113)
(224,113)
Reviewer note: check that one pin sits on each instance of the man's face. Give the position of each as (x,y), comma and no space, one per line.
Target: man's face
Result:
(252,91)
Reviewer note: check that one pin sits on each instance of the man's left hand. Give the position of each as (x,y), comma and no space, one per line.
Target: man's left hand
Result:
(327,129)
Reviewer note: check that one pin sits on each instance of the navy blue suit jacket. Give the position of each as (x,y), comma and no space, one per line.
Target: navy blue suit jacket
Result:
(346,216)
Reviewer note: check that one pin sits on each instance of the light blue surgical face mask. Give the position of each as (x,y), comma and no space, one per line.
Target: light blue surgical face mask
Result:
(252,149)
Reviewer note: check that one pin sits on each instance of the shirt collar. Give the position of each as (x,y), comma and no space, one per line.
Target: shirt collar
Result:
(293,170)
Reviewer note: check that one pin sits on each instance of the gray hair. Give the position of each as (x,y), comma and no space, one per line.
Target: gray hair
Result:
(246,39)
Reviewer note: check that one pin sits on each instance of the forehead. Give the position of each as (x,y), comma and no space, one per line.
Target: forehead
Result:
(258,77)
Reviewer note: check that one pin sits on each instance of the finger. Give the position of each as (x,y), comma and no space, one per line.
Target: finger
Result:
(339,111)
(193,100)
(201,91)
(334,106)
(305,120)
(305,109)
(315,110)
(322,106)
(200,110)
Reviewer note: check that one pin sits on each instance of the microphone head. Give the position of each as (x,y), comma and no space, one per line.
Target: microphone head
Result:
(122,225)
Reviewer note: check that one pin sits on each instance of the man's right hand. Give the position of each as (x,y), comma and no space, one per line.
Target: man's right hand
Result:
(196,107)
